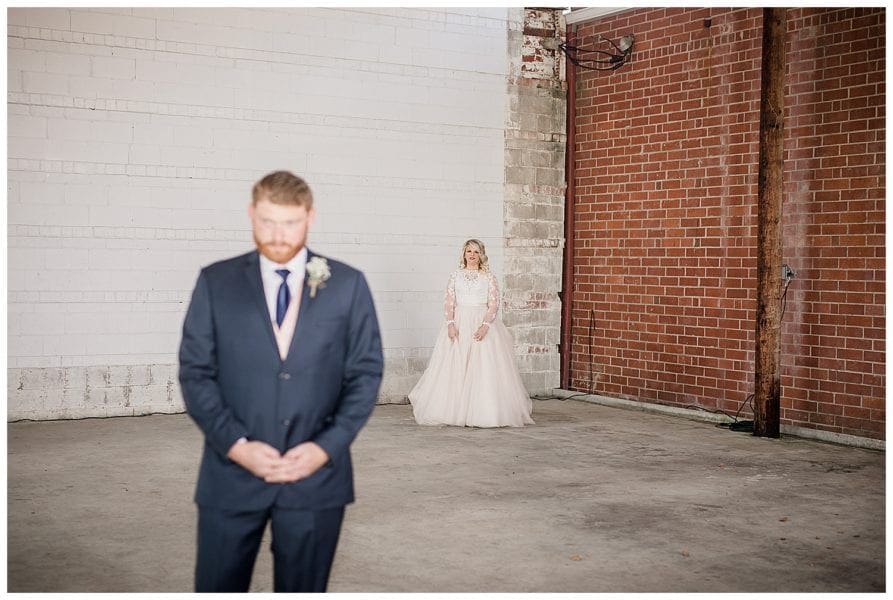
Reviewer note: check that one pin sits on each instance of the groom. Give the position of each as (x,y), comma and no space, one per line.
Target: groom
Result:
(280,365)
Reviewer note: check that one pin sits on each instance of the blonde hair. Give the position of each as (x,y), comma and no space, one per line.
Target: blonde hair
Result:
(282,187)
(484,266)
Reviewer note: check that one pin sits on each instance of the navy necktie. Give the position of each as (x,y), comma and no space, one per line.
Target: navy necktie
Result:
(283,297)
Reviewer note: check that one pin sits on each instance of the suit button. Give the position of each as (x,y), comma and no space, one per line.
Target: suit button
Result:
(284,376)
(286,422)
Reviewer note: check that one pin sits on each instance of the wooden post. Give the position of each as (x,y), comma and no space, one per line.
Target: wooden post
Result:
(767,378)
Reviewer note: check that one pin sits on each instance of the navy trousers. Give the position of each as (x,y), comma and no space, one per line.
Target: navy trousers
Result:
(304,543)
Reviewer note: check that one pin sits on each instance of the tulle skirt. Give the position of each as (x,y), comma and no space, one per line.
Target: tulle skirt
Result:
(471,383)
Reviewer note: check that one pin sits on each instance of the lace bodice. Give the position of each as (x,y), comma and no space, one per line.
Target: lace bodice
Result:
(471,288)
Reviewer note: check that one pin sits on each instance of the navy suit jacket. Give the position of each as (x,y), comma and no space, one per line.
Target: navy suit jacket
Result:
(234,384)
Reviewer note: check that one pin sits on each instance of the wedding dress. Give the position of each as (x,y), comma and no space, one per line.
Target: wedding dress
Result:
(468,382)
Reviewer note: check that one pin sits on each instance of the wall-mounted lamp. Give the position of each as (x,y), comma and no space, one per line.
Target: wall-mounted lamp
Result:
(600,60)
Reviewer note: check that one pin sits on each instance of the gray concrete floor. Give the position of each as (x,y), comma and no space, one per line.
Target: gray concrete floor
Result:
(591,499)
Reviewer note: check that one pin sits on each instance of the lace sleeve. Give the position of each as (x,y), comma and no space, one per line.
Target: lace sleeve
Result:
(492,299)
(449,299)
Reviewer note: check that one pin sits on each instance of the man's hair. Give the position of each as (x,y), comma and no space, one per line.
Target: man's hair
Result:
(282,187)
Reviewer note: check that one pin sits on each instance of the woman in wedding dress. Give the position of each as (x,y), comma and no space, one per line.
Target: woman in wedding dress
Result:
(472,379)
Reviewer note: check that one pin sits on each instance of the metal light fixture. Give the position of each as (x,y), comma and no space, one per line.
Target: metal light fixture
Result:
(596,59)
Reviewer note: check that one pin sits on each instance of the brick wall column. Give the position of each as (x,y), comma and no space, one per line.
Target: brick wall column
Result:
(534,195)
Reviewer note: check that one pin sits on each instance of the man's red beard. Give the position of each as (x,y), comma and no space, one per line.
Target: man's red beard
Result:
(279,253)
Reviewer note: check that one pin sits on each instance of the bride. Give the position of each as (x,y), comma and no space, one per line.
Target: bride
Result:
(472,378)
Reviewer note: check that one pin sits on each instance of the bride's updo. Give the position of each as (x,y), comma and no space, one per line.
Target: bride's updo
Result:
(484,266)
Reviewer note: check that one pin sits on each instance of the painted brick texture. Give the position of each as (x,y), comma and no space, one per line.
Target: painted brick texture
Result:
(664,291)
(135,134)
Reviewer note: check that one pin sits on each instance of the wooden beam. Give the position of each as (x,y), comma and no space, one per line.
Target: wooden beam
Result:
(767,377)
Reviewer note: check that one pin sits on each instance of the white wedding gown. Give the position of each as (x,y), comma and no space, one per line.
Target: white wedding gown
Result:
(471,383)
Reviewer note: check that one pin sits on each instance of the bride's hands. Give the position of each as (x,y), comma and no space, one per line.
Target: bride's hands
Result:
(452,331)
(481,332)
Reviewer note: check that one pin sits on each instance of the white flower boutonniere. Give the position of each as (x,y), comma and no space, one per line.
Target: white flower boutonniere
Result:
(317,273)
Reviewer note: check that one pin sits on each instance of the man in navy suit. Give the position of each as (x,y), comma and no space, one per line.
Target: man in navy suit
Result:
(280,366)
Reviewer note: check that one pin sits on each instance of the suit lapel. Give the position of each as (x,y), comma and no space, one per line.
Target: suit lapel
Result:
(256,285)
(306,303)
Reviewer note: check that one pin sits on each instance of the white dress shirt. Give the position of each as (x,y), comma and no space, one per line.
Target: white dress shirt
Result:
(272,280)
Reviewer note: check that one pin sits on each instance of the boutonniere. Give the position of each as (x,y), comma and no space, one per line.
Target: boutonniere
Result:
(317,273)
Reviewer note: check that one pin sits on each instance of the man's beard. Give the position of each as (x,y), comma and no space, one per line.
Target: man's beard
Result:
(278,253)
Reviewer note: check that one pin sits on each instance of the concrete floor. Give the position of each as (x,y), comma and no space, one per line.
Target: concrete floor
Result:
(591,499)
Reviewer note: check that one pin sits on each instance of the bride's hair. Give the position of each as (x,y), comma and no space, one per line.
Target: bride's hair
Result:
(484,266)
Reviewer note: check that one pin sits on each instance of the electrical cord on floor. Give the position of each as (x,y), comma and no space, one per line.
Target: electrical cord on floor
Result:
(717,411)
(562,398)
(735,422)
(737,425)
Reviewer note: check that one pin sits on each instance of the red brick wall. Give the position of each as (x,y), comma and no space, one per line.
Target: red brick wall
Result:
(664,295)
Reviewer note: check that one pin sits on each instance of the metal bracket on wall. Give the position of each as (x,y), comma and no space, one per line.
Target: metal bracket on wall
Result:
(787,273)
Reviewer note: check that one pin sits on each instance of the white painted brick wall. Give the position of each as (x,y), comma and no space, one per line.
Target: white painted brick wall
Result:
(134,136)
